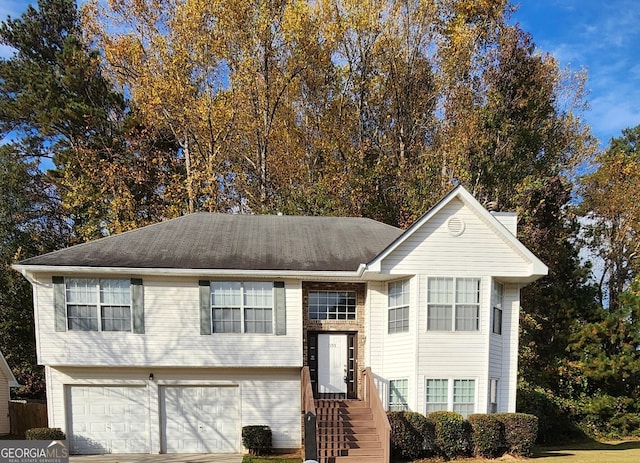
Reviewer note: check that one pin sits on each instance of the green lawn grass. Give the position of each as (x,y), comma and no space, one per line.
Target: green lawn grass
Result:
(272,459)
(591,452)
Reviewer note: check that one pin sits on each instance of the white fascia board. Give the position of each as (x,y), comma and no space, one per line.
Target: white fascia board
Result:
(29,271)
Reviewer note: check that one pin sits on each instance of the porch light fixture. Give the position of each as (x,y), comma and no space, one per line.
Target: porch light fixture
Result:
(150,376)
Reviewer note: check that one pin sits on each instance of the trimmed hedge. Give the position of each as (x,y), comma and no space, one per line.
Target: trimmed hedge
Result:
(520,432)
(257,439)
(412,435)
(451,434)
(487,433)
(44,434)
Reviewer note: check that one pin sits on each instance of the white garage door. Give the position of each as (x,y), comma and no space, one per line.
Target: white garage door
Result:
(200,419)
(109,419)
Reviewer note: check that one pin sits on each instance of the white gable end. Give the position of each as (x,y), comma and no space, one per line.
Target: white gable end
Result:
(459,237)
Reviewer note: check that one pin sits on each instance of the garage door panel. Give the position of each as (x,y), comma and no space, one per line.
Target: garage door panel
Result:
(109,419)
(200,419)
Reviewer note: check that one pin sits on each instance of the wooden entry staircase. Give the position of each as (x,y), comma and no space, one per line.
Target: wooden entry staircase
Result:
(347,433)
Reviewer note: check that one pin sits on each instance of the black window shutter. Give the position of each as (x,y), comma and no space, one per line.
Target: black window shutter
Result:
(59,304)
(280,308)
(205,307)
(137,305)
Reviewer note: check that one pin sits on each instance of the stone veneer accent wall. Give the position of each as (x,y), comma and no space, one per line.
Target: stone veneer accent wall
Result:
(351,326)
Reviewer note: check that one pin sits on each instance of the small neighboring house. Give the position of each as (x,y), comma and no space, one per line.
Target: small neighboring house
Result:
(172,337)
(7,380)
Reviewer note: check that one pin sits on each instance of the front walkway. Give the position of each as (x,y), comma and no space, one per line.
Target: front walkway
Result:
(158,458)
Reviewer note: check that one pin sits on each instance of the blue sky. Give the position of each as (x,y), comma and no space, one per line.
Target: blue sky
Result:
(602,37)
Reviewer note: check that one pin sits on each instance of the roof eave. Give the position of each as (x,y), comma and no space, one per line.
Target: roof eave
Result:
(5,366)
(29,271)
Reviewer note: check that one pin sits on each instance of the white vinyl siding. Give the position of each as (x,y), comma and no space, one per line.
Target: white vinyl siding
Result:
(477,251)
(398,303)
(98,304)
(4,403)
(444,304)
(172,325)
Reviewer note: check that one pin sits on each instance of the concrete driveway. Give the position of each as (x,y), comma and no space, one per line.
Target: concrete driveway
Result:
(158,458)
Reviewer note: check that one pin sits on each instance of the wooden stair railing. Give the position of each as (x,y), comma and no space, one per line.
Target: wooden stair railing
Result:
(310,416)
(372,398)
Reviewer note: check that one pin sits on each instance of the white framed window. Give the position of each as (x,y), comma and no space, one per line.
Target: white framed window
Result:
(439,304)
(94,304)
(453,304)
(398,393)
(456,395)
(398,304)
(496,304)
(493,395)
(437,395)
(332,305)
(242,307)
(464,396)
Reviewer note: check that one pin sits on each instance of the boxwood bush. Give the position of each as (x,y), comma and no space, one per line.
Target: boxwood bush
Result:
(520,432)
(487,434)
(412,435)
(257,439)
(44,434)
(451,434)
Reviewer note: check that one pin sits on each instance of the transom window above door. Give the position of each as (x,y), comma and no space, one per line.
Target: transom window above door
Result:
(332,305)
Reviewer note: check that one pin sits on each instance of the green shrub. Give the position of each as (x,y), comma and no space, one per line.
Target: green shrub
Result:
(556,416)
(44,434)
(608,417)
(520,432)
(257,439)
(412,435)
(451,434)
(487,434)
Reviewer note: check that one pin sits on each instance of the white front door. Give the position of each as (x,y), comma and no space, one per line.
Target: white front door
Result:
(200,419)
(332,363)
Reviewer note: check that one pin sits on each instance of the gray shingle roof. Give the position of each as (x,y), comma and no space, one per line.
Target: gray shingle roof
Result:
(237,242)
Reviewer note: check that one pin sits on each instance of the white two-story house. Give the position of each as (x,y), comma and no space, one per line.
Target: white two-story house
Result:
(172,337)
